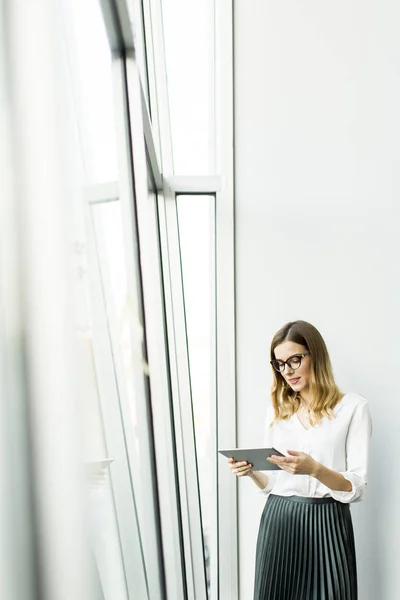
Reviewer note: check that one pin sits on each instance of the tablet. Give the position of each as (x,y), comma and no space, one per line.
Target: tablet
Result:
(256,456)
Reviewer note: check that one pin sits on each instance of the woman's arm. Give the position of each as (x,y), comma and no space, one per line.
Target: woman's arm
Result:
(243,469)
(332,479)
(260,479)
(300,463)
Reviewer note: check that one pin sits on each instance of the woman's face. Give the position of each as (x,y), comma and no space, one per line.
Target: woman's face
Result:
(299,378)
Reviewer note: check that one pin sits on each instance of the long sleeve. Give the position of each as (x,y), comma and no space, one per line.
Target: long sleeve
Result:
(268,443)
(357,455)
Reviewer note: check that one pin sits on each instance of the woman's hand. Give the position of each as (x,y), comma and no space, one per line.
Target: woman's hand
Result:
(298,463)
(240,468)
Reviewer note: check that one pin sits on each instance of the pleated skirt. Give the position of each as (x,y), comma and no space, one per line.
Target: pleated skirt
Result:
(305,550)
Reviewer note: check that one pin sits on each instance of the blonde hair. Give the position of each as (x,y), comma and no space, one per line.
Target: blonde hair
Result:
(323,388)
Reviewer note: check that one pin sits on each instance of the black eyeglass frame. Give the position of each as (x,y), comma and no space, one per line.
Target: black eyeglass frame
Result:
(283,363)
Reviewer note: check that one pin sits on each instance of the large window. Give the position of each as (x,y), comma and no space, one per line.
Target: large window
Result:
(136,262)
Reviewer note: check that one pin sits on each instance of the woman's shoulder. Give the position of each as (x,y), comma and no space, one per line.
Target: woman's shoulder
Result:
(352,400)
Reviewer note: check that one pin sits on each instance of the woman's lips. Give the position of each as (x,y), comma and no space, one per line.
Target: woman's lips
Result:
(294,381)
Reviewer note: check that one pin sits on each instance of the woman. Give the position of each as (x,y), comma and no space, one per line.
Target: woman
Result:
(305,548)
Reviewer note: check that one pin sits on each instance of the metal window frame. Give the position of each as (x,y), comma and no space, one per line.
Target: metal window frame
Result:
(141,48)
(197,188)
(159,88)
(143,144)
(188,485)
(154,141)
(193,185)
(226,311)
(183,409)
(177,338)
(134,183)
(155,333)
(226,569)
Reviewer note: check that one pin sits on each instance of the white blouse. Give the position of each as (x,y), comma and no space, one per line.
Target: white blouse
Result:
(341,444)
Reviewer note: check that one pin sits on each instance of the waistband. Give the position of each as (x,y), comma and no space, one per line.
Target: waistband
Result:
(307,499)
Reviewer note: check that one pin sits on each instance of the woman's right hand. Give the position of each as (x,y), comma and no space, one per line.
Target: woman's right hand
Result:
(240,469)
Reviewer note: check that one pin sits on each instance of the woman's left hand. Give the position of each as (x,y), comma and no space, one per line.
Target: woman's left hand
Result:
(298,463)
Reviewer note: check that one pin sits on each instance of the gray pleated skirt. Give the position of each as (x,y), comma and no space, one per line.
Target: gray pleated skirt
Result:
(305,550)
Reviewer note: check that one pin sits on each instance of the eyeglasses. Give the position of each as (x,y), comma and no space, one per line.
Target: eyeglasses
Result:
(293,362)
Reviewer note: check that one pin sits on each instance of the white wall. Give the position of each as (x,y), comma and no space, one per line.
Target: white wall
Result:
(317,118)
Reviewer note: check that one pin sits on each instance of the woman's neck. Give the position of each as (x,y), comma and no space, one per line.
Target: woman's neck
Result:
(305,399)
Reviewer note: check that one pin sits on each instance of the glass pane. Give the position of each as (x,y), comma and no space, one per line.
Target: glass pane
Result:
(126,332)
(189,51)
(123,321)
(103,535)
(91,91)
(90,95)
(196,231)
